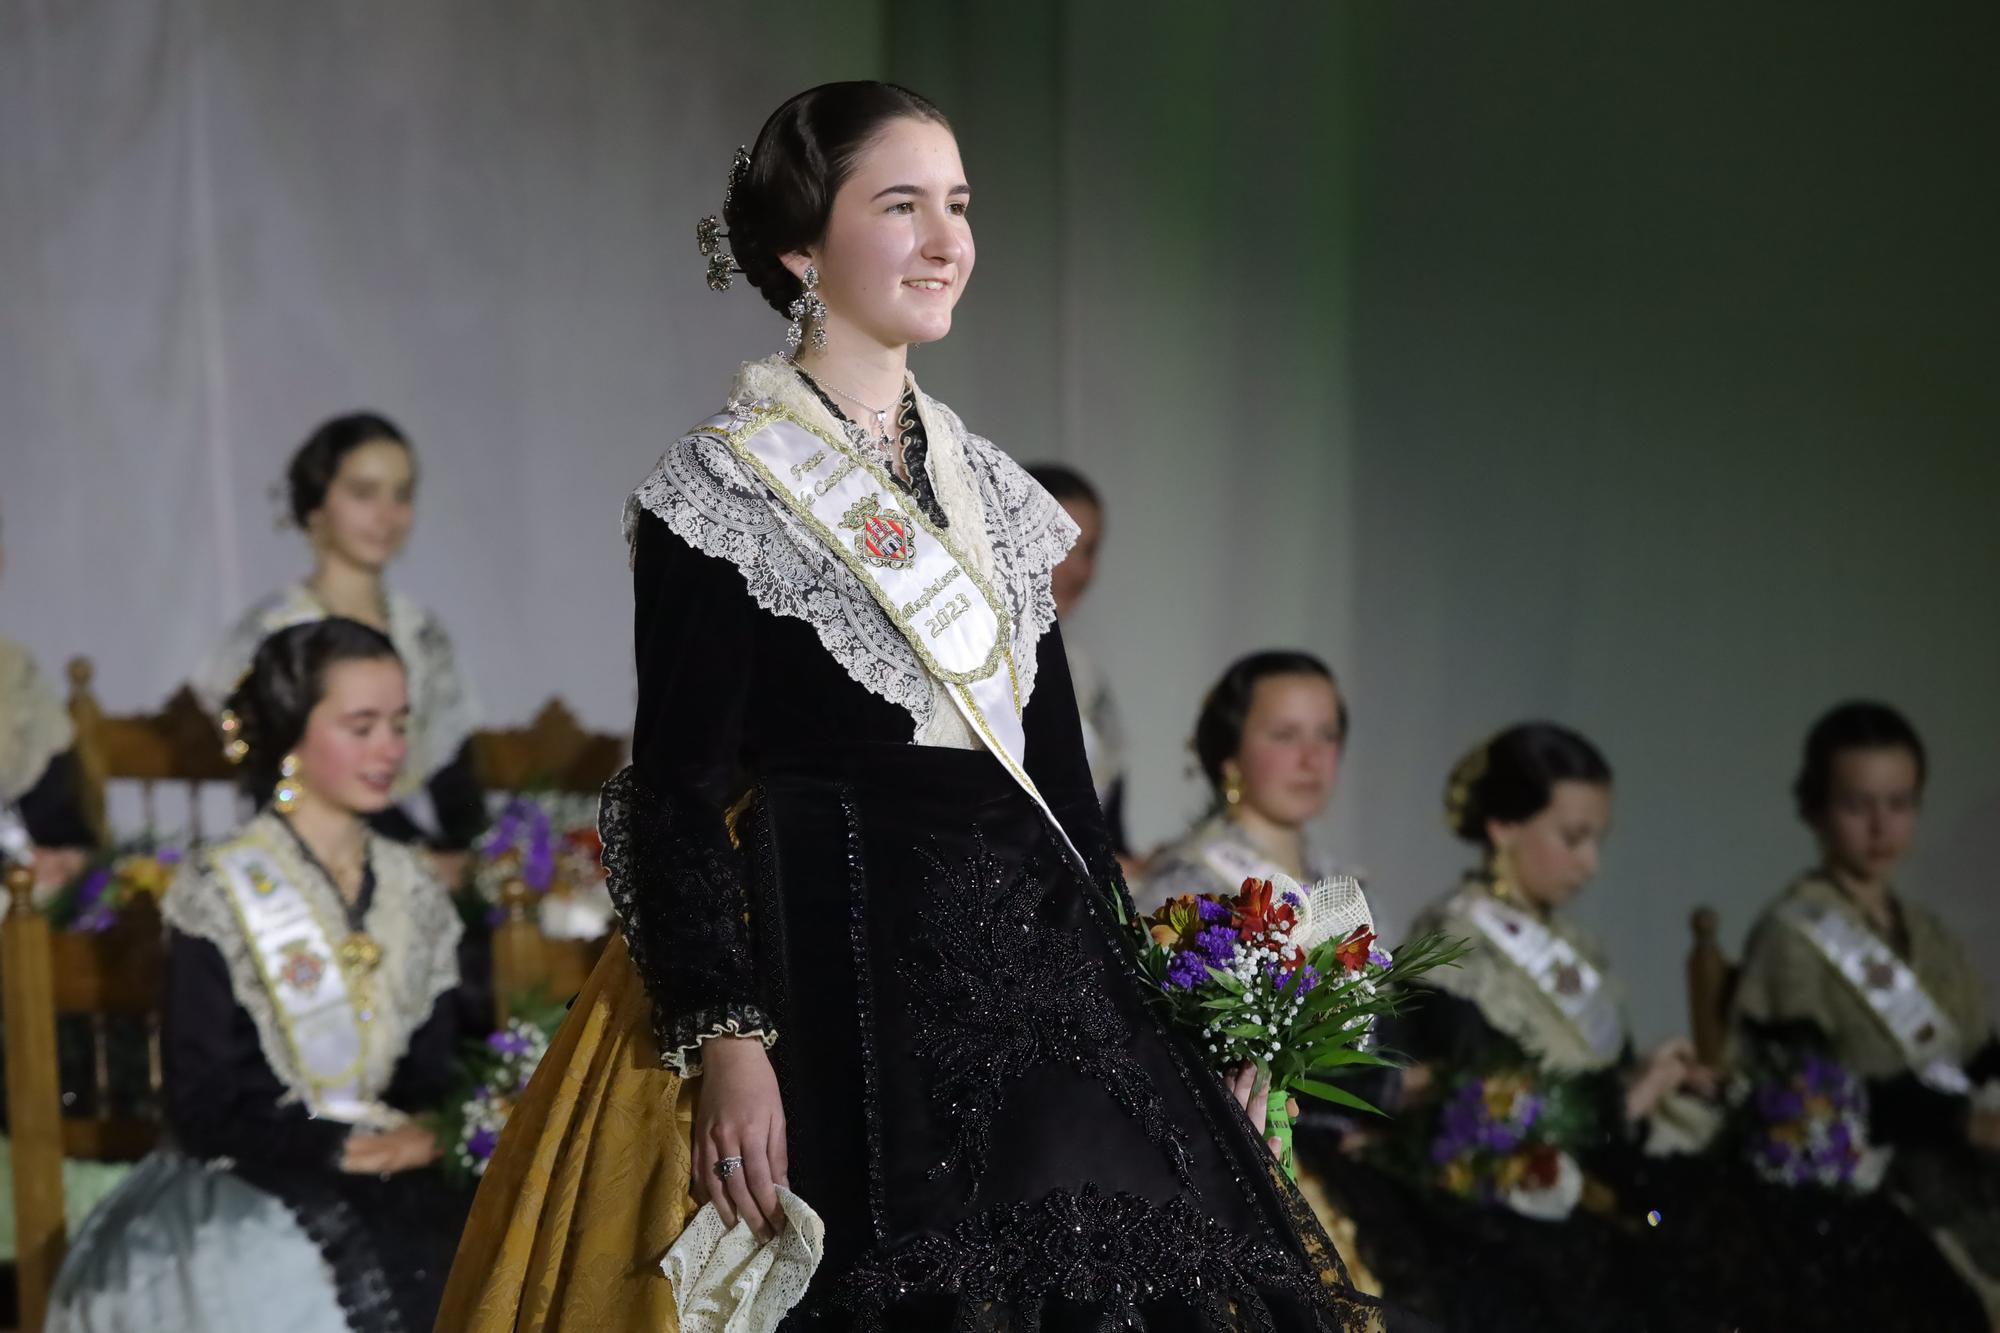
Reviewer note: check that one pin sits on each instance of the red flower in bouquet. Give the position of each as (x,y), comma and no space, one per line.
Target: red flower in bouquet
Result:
(1257,918)
(1353,951)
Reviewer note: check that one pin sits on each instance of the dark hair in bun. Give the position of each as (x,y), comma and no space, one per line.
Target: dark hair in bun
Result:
(1860,725)
(318,460)
(1513,777)
(287,679)
(1218,731)
(803,155)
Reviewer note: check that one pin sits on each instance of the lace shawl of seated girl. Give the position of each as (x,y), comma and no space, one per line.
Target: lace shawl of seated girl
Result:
(1005,525)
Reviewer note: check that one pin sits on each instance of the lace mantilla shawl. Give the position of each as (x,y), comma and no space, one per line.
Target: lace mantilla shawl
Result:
(410,917)
(1004,523)
(1507,997)
(443,713)
(33,726)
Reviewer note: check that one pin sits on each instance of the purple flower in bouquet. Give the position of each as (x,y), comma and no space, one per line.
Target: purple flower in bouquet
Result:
(1777,1102)
(1212,913)
(509,1042)
(1380,958)
(524,827)
(1293,983)
(1187,970)
(1216,945)
(482,1143)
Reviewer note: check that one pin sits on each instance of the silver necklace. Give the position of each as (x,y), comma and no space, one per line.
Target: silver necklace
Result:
(882,443)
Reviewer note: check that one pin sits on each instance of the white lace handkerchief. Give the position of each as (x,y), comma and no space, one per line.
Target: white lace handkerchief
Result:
(727,1282)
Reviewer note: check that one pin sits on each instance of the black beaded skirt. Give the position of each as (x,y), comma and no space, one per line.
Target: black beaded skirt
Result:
(997,1129)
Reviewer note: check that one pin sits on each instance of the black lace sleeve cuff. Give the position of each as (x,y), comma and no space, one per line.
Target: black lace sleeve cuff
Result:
(677,885)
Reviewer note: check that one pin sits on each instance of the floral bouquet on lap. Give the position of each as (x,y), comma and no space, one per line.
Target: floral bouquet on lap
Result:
(1801,1119)
(1287,978)
(1507,1137)
(491,1076)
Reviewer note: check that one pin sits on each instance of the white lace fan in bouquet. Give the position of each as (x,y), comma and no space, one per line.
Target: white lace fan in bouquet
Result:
(1332,909)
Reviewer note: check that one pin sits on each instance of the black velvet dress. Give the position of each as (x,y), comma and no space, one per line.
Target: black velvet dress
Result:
(997,1130)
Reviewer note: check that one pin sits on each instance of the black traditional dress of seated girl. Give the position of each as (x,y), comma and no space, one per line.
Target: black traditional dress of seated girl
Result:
(245,1218)
(996,1128)
(1663,1241)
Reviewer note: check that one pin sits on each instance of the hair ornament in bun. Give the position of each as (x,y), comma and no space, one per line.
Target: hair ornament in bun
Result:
(1465,775)
(709,235)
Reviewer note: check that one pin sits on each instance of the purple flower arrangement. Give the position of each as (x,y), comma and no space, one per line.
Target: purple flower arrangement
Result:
(137,873)
(1808,1125)
(492,1075)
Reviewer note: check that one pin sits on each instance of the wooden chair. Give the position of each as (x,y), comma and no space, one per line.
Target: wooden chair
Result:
(44,974)
(1711,981)
(177,745)
(551,752)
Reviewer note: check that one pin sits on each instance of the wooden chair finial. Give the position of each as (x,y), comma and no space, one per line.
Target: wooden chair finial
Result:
(21,888)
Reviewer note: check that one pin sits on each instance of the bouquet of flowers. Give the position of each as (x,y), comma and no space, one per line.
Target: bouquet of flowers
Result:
(1288,978)
(492,1074)
(1804,1121)
(134,874)
(1505,1137)
(549,842)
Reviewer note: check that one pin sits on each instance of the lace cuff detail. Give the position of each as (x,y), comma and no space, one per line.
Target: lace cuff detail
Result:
(680,1051)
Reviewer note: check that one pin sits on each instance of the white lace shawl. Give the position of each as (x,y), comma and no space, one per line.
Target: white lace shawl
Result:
(411,917)
(33,726)
(1183,867)
(1003,522)
(443,713)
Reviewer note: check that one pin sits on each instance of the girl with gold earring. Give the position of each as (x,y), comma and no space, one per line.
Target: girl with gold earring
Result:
(1269,740)
(310,1019)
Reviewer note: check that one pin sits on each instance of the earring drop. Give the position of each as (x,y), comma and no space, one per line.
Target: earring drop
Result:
(285,796)
(806,308)
(1232,789)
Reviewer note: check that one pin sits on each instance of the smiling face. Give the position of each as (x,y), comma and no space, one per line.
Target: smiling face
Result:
(1555,853)
(1290,756)
(354,744)
(898,248)
(1873,795)
(369,506)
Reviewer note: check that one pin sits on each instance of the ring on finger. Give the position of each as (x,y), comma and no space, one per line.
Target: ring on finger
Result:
(728,1167)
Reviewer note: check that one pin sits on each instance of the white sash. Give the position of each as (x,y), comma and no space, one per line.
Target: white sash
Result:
(957,627)
(1890,989)
(322,1018)
(1236,863)
(1566,977)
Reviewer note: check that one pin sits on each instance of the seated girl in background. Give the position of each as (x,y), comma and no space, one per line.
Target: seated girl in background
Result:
(310,964)
(1886,985)
(1619,1224)
(352,488)
(1269,741)
(41,812)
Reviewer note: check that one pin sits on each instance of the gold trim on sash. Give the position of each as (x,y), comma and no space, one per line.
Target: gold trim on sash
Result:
(1890,988)
(1568,980)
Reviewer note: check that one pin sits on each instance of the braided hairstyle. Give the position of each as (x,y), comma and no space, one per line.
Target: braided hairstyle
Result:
(1512,778)
(803,155)
(286,681)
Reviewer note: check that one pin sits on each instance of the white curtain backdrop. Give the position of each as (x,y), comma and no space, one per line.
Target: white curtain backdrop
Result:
(1455,347)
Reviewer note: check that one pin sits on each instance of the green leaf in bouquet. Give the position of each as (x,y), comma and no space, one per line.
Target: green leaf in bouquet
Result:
(1327,1092)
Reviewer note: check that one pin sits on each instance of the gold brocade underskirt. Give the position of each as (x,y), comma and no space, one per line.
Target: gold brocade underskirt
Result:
(589,1185)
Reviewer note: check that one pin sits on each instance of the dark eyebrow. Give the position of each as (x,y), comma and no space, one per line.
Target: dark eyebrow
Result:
(920,191)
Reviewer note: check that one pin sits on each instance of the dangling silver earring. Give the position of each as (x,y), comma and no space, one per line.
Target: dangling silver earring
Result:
(806,308)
